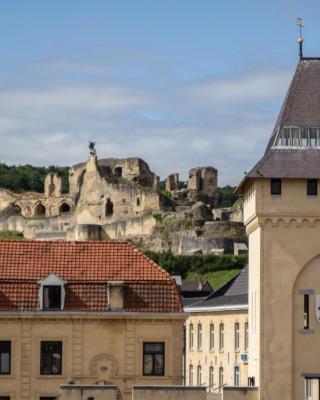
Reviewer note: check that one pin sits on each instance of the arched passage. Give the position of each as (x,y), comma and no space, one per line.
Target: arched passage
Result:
(40,210)
(306,331)
(64,208)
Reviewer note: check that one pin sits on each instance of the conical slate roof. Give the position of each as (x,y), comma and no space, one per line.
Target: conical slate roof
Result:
(293,150)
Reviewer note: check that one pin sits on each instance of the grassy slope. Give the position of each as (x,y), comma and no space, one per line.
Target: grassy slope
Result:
(5,235)
(216,278)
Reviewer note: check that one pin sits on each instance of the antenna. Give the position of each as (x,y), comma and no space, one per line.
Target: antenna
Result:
(300,25)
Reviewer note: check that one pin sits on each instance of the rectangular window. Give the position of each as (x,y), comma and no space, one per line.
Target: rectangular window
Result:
(211,379)
(153,359)
(236,375)
(236,336)
(5,357)
(191,337)
(48,398)
(199,337)
(191,375)
(199,378)
(275,186)
(220,379)
(312,187)
(4,397)
(306,311)
(52,297)
(221,337)
(312,386)
(211,336)
(51,358)
(246,336)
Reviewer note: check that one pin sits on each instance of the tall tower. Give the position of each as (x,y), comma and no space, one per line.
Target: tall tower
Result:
(282,218)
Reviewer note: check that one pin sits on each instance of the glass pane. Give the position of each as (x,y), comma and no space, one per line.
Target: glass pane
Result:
(148,364)
(5,363)
(154,347)
(158,364)
(56,363)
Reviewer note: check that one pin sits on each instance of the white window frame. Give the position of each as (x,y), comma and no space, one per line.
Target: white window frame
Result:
(199,375)
(199,336)
(236,337)
(237,380)
(211,337)
(221,336)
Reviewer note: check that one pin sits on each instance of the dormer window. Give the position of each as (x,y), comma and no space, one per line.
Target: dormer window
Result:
(52,293)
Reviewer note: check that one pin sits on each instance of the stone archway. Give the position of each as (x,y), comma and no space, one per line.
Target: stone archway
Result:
(306,331)
(40,210)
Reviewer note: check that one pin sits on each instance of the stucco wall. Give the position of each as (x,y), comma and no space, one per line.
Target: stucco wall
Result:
(240,394)
(289,227)
(228,358)
(88,341)
(169,393)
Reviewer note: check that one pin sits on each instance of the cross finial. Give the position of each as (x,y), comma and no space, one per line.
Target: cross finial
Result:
(300,25)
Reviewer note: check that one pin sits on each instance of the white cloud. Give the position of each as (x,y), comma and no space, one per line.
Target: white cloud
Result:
(224,123)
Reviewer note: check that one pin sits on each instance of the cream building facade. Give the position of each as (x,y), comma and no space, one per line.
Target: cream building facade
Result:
(217,338)
(85,313)
(282,218)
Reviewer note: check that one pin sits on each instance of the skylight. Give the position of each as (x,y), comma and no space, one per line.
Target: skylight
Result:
(297,136)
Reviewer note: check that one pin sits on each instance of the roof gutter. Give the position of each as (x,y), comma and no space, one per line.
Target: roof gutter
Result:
(216,308)
(92,315)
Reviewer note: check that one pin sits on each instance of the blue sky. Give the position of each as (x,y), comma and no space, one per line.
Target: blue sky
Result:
(180,83)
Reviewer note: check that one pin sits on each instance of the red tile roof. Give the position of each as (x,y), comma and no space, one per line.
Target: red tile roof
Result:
(87,267)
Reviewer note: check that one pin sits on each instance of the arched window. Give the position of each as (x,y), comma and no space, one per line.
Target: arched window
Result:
(109,208)
(199,342)
(64,208)
(118,172)
(40,210)
(191,337)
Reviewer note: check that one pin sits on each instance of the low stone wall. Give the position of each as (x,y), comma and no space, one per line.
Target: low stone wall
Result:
(168,393)
(80,392)
(135,227)
(240,393)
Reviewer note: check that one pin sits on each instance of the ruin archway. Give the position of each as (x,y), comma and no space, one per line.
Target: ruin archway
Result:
(118,172)
(64,208)
(40,210)
(109,208)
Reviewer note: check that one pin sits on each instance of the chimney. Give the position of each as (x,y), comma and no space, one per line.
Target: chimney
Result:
(115,295)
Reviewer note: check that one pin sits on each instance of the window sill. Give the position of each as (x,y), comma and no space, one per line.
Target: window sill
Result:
(199,350)
(50,376)
(212,350)
(9,376)
(306,331)
(237,351)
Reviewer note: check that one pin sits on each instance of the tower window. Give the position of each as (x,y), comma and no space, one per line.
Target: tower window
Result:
(312,187)
(275,186)
(306,311)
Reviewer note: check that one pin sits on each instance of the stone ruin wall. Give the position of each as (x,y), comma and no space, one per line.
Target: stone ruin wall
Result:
(109,199)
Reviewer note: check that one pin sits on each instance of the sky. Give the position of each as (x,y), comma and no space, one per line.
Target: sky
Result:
(179,83)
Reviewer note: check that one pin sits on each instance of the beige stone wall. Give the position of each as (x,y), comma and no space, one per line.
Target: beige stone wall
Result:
(88,341)
(228,358)
(283,239)
(172,393)
(83,393)
(240,394)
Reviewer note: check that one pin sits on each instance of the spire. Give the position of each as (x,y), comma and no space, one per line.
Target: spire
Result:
(300,25)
